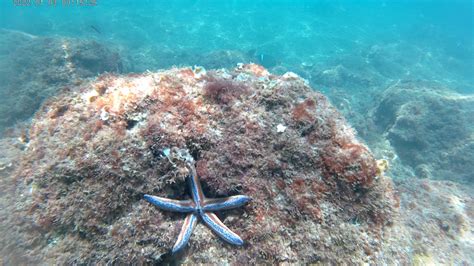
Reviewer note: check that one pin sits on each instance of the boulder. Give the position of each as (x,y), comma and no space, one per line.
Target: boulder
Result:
(92,152)
(430,127)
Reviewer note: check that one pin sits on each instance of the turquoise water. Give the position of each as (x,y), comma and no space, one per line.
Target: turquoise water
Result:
(429,38)
(401,72)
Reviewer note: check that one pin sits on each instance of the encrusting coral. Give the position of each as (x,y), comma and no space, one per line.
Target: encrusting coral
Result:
(95,150)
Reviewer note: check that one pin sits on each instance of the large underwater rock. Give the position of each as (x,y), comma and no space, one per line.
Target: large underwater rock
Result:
(92,153)
(34,68)
(430,127)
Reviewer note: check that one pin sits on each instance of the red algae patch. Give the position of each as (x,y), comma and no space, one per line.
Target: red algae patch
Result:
(95,150)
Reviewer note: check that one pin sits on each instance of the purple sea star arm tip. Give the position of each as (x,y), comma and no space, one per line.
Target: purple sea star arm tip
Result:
(225,203)
(186,231)
(220,229)
(169,204)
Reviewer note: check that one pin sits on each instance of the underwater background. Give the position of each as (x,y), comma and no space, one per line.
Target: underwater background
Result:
(421,39)
(400,72)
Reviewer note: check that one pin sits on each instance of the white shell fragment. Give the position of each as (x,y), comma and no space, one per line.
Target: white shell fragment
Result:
(281,128)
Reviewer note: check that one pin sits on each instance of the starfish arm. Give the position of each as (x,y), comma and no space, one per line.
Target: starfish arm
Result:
(220,229)
(170,205)
(196,189)
(186,231)
(225,203)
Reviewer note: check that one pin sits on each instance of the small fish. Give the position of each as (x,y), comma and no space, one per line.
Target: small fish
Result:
(263,59)
(95,29)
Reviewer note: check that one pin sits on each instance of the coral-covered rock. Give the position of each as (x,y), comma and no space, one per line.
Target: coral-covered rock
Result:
(430,128)
(35,68)
(95,150)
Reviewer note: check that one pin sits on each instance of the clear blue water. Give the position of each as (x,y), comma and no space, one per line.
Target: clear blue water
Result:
(352,51)
(430,39)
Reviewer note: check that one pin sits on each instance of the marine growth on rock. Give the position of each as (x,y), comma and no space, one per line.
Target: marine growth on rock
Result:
(96,149)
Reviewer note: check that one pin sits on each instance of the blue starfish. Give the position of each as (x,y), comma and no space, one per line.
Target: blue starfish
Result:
(202,207)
